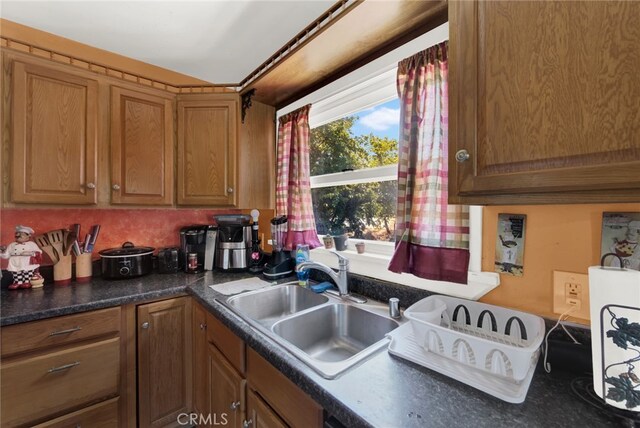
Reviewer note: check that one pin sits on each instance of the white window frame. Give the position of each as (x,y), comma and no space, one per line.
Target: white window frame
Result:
(368,86)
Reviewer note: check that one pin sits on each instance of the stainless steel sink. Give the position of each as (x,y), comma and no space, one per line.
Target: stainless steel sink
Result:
(327,333)
(333,337)
(268,305)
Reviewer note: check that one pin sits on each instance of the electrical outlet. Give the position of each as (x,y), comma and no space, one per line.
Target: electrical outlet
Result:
(571,290)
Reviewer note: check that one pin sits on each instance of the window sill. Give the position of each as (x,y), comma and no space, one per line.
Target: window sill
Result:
(375,266)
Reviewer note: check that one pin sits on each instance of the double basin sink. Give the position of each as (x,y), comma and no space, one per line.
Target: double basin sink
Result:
(328,334)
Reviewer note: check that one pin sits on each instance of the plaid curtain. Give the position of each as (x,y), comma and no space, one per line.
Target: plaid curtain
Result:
(293,191)
(432,237)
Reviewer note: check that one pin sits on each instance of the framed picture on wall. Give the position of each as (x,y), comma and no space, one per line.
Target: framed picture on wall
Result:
(620,236)
(510,244)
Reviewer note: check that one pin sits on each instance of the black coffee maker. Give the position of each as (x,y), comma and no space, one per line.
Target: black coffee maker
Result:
(234,241)
(197,247)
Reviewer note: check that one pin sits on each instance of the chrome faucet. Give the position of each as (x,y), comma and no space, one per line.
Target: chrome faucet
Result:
(339,278)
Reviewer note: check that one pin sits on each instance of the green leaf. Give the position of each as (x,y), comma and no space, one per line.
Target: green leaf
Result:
(625,333)
(623,390)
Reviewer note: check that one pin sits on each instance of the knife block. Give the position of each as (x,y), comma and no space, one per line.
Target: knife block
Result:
(62,271)
(84,270)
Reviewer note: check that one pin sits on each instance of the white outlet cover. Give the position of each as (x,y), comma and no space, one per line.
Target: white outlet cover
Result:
(560,305)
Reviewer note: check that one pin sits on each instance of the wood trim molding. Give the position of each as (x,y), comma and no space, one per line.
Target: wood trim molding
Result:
(325,20)
(111,71)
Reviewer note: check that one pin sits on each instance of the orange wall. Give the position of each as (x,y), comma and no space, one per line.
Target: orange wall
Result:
(557,237)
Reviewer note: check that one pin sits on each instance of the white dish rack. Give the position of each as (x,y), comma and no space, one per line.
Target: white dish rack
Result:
(498,342)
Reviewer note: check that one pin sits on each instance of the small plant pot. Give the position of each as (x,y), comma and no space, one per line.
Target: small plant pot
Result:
(328,242)
(340,241)
(360,247)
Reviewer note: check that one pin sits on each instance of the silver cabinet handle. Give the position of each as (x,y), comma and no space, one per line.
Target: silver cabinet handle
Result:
(116,187)
(65,367)
(462,155)
(91,186)
(145,325)
(60,332)
(247,424)
(203,326)
(230,189)
(235,405)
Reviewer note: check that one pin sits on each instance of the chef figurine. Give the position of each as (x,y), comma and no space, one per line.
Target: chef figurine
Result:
(24,258)
(628,249)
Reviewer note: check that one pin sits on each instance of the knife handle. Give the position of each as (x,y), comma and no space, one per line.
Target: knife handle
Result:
(87,243)
(95,229)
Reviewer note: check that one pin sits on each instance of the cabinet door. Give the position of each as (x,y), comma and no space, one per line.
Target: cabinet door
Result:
(200,362)
(164,361)
(544,99)
(260,415)
(54,143)
(227,390)
(141,147)
(207,133)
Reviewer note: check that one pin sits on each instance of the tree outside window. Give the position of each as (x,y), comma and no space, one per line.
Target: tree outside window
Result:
(363,210)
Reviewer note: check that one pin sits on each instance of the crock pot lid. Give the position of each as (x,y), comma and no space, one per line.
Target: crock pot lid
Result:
(128,251)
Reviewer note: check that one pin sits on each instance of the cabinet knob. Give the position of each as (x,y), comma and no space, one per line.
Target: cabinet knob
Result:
(229,189)
(91,186)
(203,326)
(145,325)
(235,405)
(462,155)
(247,423)
(116,187)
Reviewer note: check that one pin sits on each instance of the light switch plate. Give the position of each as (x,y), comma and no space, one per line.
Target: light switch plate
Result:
(571,289)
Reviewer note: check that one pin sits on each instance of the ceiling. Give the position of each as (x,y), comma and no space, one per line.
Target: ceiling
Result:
(219,41)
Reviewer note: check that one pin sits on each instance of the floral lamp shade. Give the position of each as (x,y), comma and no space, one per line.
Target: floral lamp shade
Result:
(614,295)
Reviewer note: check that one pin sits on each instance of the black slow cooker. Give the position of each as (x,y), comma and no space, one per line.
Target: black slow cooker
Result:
(126,262)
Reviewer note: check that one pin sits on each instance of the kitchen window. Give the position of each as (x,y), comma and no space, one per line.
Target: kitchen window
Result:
(350,174)
(353,162)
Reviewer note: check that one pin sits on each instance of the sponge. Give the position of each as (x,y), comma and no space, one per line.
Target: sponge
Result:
(323,286)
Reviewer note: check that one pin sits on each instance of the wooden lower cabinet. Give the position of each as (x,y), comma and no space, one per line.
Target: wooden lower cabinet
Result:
(291,404)
(200,362)
(243,389)
(164,362)
(226,391)
(62,371)
(260,415)
(101,415)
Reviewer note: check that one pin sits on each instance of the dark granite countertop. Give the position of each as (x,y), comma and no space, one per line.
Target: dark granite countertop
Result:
(383,391)
(18,306)
(387,391)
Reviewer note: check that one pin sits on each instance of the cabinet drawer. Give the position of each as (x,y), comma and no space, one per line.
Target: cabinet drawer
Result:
(279,392)
(101,415)
(58,331)
(231,346)
(36,387)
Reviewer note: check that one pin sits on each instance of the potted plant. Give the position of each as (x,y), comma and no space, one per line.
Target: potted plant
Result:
(339,237)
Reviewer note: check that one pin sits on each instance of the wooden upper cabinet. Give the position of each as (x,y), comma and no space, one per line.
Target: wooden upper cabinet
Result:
(54,144)
(207,136)
(141,147)
(544,99)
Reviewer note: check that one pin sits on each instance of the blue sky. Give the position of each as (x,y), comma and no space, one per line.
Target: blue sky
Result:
(381,120)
